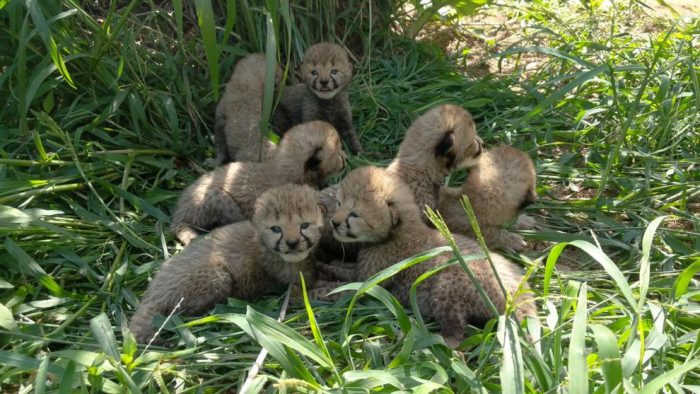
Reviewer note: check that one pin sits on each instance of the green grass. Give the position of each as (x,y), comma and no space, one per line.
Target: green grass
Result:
(106,117)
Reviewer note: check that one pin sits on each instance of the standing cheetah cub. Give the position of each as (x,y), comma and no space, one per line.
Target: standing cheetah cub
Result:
(307,154)
(243,260)
(323,95)
(498,187)
(438,142)
(237,134)
(378,209)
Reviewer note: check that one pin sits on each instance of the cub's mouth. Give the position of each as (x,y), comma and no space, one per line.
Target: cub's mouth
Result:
(344,236)
(293,256)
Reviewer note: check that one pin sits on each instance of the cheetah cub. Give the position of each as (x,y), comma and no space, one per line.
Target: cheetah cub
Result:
(237,135)
(438,142)
(378,209)
(498,187)
(326,71)
(308,154)
(244,260)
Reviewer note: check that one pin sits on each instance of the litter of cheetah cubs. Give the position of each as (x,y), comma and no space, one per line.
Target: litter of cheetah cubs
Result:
(249,231)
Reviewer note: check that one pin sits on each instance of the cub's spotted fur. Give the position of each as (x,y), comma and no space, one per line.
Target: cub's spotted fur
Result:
(243,260)
(437,143)
(307,154)
(498,187)
(378,210)
(326,71)
(237,135)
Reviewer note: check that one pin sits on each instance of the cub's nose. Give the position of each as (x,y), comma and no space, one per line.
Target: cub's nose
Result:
(292,243)
(335,223)
(323,82)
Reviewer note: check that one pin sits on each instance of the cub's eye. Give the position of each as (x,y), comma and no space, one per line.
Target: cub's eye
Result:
(334,71)
(352,215)
(304,226)
(314,73)
(276,229)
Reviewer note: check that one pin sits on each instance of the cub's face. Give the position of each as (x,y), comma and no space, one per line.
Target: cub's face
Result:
(289,220)
(364,214)
(326,70)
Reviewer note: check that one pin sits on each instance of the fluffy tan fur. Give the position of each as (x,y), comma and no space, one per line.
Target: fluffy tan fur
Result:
(438,142)
(498,187)
(243,260)
(327,72)
(237,135)
(307,154)
(378,210)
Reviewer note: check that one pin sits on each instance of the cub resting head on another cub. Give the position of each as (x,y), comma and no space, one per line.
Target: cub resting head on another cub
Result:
(243,260)
(378,209)
(307,154)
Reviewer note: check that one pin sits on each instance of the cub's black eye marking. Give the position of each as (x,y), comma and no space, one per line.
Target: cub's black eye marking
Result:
(276,229)
(314,73)
(352,215)
(304,226)
(334,71)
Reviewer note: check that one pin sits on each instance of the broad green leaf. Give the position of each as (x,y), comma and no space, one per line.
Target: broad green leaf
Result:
(552,258)
(370,379)
(680,286)
(7,321)
(104,335)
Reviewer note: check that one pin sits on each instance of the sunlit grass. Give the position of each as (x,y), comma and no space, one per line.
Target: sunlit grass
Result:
(106,117)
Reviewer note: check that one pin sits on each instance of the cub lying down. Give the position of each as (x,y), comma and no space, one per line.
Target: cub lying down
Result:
(307,154)
(378,209)
(438,142)
(244,260)
(499,186)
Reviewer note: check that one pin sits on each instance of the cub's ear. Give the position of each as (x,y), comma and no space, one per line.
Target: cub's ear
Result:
(394,214)
(323,208)
(313,161)
(447,142)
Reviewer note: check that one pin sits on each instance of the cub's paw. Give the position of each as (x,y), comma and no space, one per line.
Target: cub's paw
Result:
(525,222)
(512,241)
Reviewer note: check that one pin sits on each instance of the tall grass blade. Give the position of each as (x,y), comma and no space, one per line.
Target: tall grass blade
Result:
(46,35)
(578,367)
(669,377)
(609,267)
(645,263)
(316,331)
(205,20)
(512,372)
(609,357)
